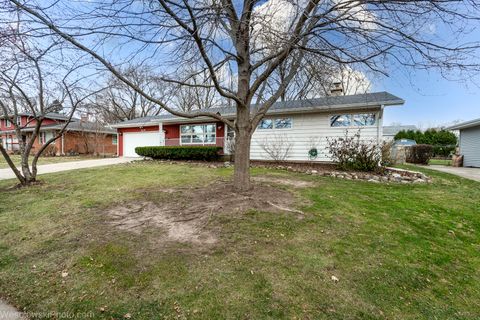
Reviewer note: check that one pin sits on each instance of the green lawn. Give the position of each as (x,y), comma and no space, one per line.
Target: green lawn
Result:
(440,162)
(399,251)
(45,160)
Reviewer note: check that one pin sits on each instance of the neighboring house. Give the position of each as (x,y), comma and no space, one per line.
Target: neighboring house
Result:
(303,125)
(469,142)
(389,132)
(80,136)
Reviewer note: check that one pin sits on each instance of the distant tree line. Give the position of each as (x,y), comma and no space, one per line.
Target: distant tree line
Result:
(443,141)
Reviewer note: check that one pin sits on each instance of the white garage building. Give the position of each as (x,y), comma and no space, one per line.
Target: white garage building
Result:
(469,142)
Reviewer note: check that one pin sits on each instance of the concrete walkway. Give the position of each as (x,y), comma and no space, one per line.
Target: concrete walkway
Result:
(67,166)
(469,173)
(8,312)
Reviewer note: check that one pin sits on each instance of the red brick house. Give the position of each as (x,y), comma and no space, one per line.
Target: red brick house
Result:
(80,137)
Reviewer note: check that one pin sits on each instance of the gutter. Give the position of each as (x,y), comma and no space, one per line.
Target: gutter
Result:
(465,125)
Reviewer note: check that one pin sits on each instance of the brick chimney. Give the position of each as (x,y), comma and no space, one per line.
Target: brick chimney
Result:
(337,89)
(84,118)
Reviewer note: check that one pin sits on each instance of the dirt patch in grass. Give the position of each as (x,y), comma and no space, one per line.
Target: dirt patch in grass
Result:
(184,214)
(285,181)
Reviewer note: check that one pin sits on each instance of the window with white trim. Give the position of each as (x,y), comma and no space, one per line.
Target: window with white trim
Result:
(278,123)
(114,139)
(198,134)
(283,123)
(8,123)
(353,120)
(19,121)
(42,137)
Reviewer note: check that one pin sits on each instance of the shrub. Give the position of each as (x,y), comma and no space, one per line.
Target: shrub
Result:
(180,152)
(351,153)
(443,150)
(444,141)
(386,151)
(50,151)
(420,153)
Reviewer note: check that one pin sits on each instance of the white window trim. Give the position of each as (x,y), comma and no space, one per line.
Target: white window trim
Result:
(273,124)
(114,139)
(275,127)
(7,123)
(375,124)
(191,134)
(42,137)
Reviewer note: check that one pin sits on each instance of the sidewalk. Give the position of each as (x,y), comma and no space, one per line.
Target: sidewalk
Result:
(469,173)
(7,312)
(67,166)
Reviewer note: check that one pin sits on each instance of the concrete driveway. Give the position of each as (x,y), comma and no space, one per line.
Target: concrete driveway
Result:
(67,166)
(469,173)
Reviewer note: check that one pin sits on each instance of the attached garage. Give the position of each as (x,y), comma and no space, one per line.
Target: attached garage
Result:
(469,142)
(131,140)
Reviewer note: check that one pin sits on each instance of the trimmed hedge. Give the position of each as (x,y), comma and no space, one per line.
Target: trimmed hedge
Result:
(180,152)
(420,153)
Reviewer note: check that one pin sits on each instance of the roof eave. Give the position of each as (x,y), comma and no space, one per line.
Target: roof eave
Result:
(465,125)
(151,123)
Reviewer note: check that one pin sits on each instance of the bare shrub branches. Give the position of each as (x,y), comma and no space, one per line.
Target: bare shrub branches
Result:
(277,147)
(350,152)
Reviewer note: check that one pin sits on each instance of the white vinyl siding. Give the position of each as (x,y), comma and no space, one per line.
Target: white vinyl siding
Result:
(307,128)
(470,146)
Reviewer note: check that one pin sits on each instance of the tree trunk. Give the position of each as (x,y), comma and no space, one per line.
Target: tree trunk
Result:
(241,177)
(27,174)
(243,136)
(12,165)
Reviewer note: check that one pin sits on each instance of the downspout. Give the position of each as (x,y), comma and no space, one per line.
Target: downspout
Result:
(118,144)
(380,125)
(380,133)
(63,144)
(161,133)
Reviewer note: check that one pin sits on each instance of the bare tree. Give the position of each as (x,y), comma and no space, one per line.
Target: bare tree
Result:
(118,101)
(194,96)
(32,85)
(253,39)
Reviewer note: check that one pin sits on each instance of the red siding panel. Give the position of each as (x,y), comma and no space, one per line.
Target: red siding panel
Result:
(172,134)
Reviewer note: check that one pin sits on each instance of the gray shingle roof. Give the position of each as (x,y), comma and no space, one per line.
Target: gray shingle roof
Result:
(73,126)
(317,104)
(82,126)
(50,115)
(393,130)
